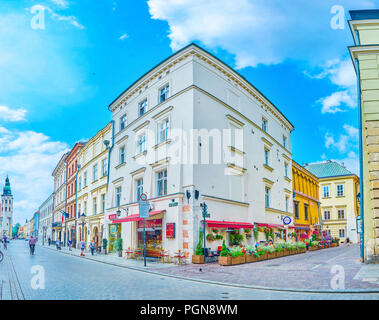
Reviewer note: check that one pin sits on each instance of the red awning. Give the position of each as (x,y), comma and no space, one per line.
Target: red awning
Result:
(229,224)
(135,217)
(270,225)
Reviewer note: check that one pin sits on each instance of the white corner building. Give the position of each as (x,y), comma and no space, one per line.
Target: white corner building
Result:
(193,130)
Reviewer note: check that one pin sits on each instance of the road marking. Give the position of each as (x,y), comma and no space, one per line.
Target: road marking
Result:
(316,266)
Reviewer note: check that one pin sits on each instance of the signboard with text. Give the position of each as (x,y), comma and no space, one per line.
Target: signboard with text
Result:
(170,230)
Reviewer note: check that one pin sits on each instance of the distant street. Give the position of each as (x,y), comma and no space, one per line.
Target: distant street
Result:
(69,277)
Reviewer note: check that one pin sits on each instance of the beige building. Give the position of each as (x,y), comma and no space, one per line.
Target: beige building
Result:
(92,185)
(365,55)
(338,190)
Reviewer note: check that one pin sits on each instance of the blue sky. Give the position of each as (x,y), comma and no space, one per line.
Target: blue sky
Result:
(56,82)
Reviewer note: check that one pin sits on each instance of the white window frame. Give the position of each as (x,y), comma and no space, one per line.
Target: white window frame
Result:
(324,193)
(141,143)
(338,214)
(264,124)
(327,216)
(337,191)
(122,154)
(140,104)
(267,197)
(165,87)
(164,182)
(138,187)
(118,196)
(94,168)
(166,128)
(266,156)
(104,167)
(123,121)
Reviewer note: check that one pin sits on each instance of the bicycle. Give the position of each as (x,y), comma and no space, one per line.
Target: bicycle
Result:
(1,256)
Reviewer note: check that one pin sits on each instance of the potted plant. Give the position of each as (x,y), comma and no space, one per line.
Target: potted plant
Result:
(215,230)
(279,249)
(105,245)
(238,256)
(256,233)
(270,252)
(300,247)
(119,247)
(210,237)
(219,237)
(313,245)
(262,252)
(251,254)
(235,239)
(225,258)
(198,257)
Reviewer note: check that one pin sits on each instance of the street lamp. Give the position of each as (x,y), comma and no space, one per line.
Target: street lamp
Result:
(83,219)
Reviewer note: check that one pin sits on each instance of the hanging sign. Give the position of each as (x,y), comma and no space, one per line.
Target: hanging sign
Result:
(287,220)
(144,206)
(170,230)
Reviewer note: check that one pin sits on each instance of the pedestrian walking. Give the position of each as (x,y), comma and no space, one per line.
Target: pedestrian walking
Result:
(92,246)
(70,244)
(348,241)
(82,247)
(49,241)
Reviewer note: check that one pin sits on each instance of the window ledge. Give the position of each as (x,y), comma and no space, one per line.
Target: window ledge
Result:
(120,165)
(140,155)
(287,179)
(268,167)
(168,141)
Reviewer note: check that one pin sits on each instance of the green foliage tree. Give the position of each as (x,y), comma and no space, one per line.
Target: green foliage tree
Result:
(15,230)
(224,251)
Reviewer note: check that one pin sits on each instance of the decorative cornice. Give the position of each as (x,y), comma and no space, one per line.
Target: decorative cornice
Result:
(270,144)
(236,121)
(122,139)
(268,181)
(160,162)
(161,113)
(141,126)
(235,167)
(138,171)
(212,198)
(268,167)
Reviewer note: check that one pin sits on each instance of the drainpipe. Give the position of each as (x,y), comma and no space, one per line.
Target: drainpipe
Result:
(360,158)
(109,153)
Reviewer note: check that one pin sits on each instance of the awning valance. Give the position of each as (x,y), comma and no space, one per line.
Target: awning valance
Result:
(269,225)
(302,228)
(229,224)
(135,217)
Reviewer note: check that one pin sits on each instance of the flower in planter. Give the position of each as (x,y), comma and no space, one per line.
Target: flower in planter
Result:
(210,237)
(215,230)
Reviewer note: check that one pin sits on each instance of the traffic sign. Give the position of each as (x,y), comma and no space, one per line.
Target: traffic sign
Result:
(287,220)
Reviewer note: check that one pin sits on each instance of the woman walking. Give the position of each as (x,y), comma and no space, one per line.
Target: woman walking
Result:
(92,246)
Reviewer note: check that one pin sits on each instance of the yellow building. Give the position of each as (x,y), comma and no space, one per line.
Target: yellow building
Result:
(92,185)
(364,25)
(306,201)
(338,191)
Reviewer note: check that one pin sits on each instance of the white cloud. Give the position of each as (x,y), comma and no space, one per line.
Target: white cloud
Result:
(345,142)
(70,19)
(12,115)
(60,3)
(257,31)
(124,36)
(28,158)
(338,101)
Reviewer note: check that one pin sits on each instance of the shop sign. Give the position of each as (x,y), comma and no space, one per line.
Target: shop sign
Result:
(173,204)
(150,223)
(170,230)
(112,216)
(287,220)
(144,206)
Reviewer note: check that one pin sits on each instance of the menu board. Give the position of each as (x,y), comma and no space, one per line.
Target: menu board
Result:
(170,230)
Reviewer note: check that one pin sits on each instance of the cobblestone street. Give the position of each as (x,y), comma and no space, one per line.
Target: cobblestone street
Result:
(70,277)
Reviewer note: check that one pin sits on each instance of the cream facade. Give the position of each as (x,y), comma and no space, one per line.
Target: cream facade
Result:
(46,219)
(193,126)
(92,185)
(59,175)
(365,55)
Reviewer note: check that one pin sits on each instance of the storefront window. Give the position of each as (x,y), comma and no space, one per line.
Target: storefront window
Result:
(153,230)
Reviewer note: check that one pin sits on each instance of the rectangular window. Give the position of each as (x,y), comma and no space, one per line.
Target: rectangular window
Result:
(326,191)
(80,183)
(95,172)
(85,207)
(139,188)
(286,169)
(142,107)
(296,209)
(104,166)
(341,233)
(340,190)
(326,215)
(163,93)
(341,214)
(267,157)
(284,141)
(85,178)
(305,212)
(141,143)
(95,205)
(122,155)
(103,203)
(118,196)
(267,197)
(163,128)
(264,124)
(162,183)
(123,122)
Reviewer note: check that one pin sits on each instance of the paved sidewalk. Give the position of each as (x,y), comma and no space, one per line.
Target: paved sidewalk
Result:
(112,258)
(308,271)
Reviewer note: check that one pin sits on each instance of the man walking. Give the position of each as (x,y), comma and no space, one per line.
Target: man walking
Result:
(92,246)
(70,244)
(49,241)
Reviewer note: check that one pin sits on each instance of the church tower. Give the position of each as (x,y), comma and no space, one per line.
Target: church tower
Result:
(6,217)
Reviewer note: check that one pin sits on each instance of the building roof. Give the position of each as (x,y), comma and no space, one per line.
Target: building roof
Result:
(326,169)
(211,55)
(364,14)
